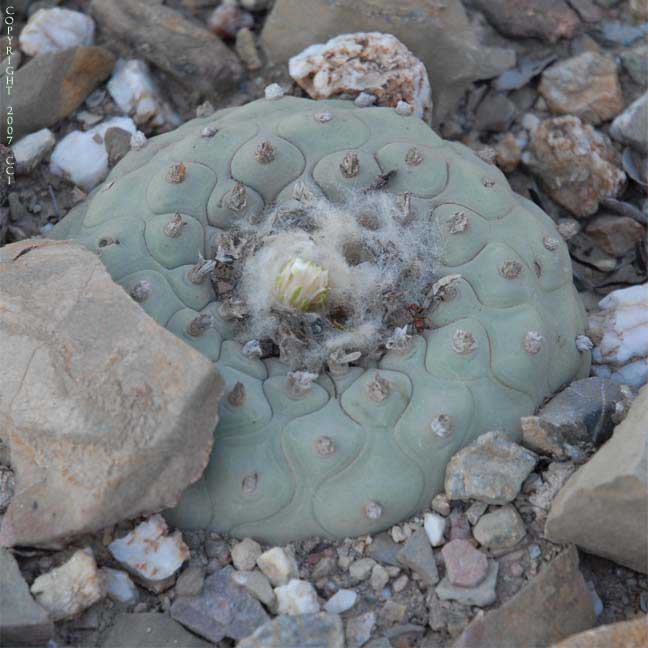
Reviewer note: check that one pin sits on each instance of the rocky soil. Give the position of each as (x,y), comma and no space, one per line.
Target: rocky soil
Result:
(529,545)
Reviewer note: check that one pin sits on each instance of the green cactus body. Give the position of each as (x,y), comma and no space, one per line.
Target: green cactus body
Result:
(359,448)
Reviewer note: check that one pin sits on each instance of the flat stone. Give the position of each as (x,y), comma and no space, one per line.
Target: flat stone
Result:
(50,88)
(490,470)
(185,50)
(52,30)
(548,20)
(481,595)
(500,530)
(303,631)
(586,85)
(576,164)
(361,569)
(117,142)
(630,126)
(23,622)
(602,508)
(379,578)
(417,555)
(68,590)
(475,511)
(68,333)
(615,235)
(149,630)
(626,634)
(465,565)
(359,629)
(439,34)
(554,605)
(222,609)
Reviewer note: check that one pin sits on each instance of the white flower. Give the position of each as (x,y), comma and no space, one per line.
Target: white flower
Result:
(301,284)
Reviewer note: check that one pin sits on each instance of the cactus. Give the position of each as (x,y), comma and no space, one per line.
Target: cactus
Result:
(362,443)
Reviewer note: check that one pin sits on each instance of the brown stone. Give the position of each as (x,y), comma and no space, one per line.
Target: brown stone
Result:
(615,235)
(627,634)
(50,88)
(508,153)
(107,415)
(586,85)
(602,508)
(554,605)
(438,33)
(191,54)
(548,20)
(576,164)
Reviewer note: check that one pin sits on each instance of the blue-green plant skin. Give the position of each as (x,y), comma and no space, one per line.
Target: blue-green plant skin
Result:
(337,462)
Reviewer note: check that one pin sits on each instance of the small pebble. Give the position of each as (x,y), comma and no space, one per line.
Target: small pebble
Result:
(341,601)
(434,525)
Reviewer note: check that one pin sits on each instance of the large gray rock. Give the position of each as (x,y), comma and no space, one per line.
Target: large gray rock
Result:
(554,605)
(22,621)
(301,631)
(437,33)
(222,609)
(107,415)
(150,630)
(191,54)
(630,126)
(603,507)
(491,470)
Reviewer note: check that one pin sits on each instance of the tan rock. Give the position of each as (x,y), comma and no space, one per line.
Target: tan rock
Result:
(627,634)
(53,86)
(576,164)
(508,153)
(603,507)
(68,590)
(615,235)
(554,605)
(375,63)
(586,85)
(107,415)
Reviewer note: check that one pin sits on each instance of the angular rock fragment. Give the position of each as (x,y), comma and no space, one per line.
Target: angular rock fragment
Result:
(22,621)
(576,164)
(120,587)
(54,30)
(81,156)
(417,555)
(619,332)
(586,85)
(358,629)
(183,49)
(580,414)
(465,565)
(616,235)
(245,554)
(222,609)
(135,407)
(258,585)
(278,566)
(50,88)
(490,470)
(554,605)
(150,553)
(68,590)
(602,508)
(303,631)
(630,126)
(31,150)
(297,597)
(375,63)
